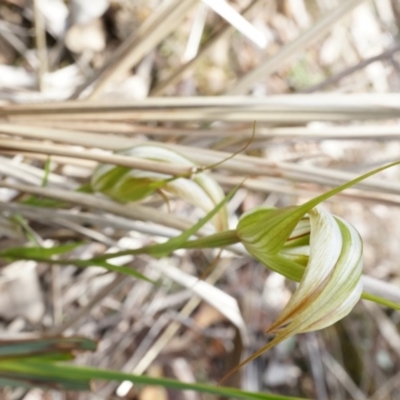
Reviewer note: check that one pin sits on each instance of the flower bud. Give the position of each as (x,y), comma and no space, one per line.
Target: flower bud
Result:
(126,184)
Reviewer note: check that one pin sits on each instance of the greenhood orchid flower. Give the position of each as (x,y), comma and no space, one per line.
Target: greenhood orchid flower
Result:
(330,283)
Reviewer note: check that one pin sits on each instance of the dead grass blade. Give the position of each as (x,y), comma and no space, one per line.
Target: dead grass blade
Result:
(278,109)
(61,131)
(130,162)
(241,164)
(150,34)
(40,34)
(220,34)
(135,212)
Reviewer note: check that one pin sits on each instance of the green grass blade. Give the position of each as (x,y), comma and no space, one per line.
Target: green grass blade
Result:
(47,171)
(69,373)
(319,199)
(30,347)
(14,383)
(32,380)
(38,252)
(111,267)
(37,201)
(24,224)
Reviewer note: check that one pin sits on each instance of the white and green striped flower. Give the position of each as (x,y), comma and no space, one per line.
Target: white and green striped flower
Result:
(312,246)
(331,279)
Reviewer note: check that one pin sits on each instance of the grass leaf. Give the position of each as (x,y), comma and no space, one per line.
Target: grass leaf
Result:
(38,252)
(66,374)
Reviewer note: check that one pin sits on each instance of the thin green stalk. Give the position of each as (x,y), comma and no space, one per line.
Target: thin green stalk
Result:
(219,239)
(380,300)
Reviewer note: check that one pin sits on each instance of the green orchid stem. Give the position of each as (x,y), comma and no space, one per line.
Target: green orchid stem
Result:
(219,239)
(380,300)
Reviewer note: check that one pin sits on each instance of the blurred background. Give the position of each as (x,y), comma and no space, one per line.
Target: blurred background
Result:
(321,79)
